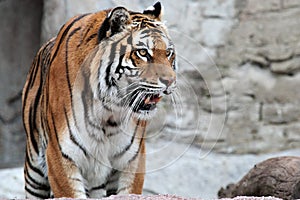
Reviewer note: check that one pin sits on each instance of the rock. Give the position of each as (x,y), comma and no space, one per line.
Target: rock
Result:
(278,177)
(257,60)
(280,113)
(214,31)
(255,6)
(276,53)
(286,67)
(19,41)
(219,9)
(290,3)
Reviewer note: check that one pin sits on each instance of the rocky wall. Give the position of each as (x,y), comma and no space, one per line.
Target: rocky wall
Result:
(20,23)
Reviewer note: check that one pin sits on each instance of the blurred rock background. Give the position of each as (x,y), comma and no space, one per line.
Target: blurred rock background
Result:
(239,64)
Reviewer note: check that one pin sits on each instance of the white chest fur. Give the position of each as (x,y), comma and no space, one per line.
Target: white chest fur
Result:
(107,149)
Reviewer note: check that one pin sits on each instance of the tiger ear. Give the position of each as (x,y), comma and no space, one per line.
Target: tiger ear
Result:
(156,11)
(115,22)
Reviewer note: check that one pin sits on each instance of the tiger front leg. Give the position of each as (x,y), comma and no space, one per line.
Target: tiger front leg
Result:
(64,177)
(132,179)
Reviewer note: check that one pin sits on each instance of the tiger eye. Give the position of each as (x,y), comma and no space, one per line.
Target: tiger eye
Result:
(143,52)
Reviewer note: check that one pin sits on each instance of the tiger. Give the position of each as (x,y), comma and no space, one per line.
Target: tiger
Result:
(87,100)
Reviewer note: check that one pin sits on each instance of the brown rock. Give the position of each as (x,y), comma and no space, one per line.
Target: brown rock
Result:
(278,177)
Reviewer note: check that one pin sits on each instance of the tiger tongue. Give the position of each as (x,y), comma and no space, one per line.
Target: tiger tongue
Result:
(153,99)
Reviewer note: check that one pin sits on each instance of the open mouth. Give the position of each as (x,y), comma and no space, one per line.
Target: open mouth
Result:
(148,103)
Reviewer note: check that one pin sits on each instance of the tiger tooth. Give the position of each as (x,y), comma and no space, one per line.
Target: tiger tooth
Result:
(147,100)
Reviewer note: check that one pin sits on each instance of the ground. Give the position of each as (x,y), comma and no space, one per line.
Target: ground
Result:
(175,169)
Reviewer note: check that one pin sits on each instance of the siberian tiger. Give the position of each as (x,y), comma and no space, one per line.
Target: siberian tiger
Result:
(87,99)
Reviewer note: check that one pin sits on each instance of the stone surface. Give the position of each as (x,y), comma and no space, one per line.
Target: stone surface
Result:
(19,41)
(255,6)
(287,67)
(260,61)
(175,169)
(219,9)
(214,31)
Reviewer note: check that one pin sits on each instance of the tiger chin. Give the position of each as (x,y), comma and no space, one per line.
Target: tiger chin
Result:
(88,96)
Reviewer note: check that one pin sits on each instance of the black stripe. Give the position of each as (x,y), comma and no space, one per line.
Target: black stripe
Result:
(111,192)
(129,39)
(91,37)
(73,139)
(36,194)
(102,186)
(132,60)
(86,33)
(38,63)
(112,181)
(119,67)
(122,54)
(123,51)
(36,185)
(66,59)
(32,128)
(112,123)
(151,31)
(40,186)
(34,71)
(148,24)
(64,35)
(107,77)
(112,134)
(136,17)
(57,139)
(67,157)
(55,130)
(76,179)
(36,170)
(140,146)
(32,111)
(44,145)
(84,97)
(98,85)
(45,70)
(141,44)
(33,125)
(131,142)
(86,192)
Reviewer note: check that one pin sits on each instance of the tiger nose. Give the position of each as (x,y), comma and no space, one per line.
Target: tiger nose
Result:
(167,80)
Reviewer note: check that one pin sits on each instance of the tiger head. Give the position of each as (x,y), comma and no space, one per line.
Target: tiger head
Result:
(138,61)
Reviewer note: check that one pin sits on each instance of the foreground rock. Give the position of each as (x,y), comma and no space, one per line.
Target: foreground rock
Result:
(278,176)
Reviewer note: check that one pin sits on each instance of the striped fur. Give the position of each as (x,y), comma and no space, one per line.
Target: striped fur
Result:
(87,99)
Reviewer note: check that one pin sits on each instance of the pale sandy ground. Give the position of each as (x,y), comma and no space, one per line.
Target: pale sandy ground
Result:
(178,170)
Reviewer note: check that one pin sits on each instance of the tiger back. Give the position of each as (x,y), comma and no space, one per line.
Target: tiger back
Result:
(87,99)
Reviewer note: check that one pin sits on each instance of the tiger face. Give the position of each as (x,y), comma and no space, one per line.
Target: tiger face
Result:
(142,59)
